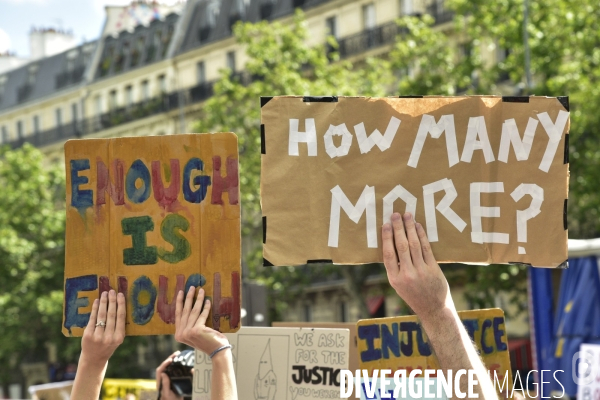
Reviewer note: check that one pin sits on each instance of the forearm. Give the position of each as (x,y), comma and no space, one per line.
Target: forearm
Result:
(223,385)
(88,381)
(455,351)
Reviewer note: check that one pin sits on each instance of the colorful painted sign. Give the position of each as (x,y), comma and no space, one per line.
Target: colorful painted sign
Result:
(400,343)
(149,216)
(487,176)
(281,363)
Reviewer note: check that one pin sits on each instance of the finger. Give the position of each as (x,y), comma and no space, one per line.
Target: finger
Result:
(178,308)
(390,259)
(425,246)
(121,314)
(197,308)
(92,322)
(111,317)
(204,314)
(166,386)
(413,240)
(102,313)
(187,306)
(163,366)
(400,240)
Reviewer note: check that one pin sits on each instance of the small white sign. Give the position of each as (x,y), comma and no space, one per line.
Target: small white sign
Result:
(281,363)
(586,371)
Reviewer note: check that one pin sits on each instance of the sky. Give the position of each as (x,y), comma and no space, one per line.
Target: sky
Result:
(83,17)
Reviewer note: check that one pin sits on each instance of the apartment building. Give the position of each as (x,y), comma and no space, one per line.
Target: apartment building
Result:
(152,79)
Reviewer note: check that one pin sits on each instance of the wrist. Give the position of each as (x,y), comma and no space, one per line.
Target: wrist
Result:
(90,363)
(222,357)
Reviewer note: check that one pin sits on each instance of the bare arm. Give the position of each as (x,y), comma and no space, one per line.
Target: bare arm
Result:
(98,344)
(191,329)
(419,281)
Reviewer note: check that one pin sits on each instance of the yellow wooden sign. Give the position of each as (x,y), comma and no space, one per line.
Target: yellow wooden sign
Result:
(400,343)
(149,216)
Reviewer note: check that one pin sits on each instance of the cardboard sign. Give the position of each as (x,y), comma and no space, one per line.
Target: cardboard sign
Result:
(486,176)
(149,216)
(353,342)
(588,373)
(400,343)
(281,364)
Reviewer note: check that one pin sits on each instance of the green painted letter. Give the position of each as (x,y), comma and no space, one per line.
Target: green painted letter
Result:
(139,253)
(170,231)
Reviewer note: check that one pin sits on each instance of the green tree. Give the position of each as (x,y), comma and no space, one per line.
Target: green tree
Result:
(280,62)
(564,42)
(32,226)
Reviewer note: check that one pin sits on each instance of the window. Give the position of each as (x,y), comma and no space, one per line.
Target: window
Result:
(145,90)
(129,96)
(74,114)
(201,73)
(4,134)
(162,84)
(19,129)
(2,83)
(112,100)
(36,124)
(231,61)
(307,313)
(331,25)
(32,72)
(368,11)
(98,104)
(58,117)
(406,7)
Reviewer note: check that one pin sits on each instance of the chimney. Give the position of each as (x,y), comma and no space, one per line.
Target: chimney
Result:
(46,42)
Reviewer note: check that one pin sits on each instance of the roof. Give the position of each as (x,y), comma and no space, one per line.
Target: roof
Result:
(44,77)
(212,20)
(131,50)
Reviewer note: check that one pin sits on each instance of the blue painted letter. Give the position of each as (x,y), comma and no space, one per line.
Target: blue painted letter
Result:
(72,303)
(81,199)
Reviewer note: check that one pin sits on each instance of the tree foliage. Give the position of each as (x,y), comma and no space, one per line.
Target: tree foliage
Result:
(32,225)
(280,62)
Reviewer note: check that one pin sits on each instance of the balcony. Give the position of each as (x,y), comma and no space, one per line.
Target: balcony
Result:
(368,39)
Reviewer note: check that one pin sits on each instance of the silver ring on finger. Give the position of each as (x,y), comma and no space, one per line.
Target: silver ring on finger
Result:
(101,324)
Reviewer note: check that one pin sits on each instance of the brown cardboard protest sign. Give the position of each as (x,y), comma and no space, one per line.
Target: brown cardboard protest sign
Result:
(149,216)
(486,176)
(400,343)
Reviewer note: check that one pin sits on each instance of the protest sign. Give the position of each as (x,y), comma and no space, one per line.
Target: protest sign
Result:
(400,343)
(281,363)
(588,372)
(149,216)
(486,176)
(353,342)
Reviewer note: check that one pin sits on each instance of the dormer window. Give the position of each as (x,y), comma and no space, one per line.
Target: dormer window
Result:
(31,74)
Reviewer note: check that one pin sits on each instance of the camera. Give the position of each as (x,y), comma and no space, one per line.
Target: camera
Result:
(180,374)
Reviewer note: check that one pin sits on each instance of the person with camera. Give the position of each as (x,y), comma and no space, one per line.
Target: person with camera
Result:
(418,279)
(105,331)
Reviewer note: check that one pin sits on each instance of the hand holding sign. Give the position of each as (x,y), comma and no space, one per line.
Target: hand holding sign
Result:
(105,331)
(190,323)
(413,272)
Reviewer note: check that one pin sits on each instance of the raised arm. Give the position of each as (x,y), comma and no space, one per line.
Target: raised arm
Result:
(191,329)
(419,281)
(104,332)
